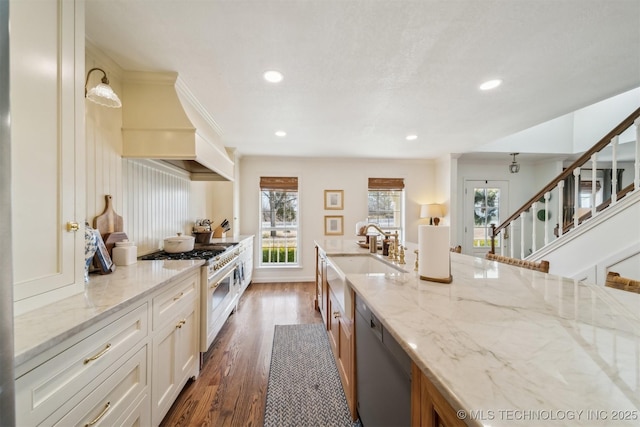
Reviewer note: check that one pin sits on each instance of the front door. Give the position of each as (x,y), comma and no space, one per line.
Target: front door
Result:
(485,204)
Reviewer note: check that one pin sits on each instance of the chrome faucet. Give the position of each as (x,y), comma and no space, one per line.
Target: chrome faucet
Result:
(393,248)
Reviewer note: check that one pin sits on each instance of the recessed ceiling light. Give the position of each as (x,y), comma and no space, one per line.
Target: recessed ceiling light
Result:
(281,133)
(273,76)
(490,84)
(412,137)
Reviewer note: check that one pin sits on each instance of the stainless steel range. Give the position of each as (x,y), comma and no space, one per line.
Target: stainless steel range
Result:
(220,284)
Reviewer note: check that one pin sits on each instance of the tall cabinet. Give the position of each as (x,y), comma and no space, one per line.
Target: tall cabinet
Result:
(47,132)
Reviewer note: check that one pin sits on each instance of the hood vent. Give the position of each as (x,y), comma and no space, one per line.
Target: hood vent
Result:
(162,120)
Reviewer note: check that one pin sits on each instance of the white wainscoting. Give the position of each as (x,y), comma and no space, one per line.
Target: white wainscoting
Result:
(156,203)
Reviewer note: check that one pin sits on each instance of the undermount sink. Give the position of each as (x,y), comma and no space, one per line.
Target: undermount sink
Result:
(364,264)
(338,266)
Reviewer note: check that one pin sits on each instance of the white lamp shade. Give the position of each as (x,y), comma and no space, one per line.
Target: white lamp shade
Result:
(432,210)
(104,95)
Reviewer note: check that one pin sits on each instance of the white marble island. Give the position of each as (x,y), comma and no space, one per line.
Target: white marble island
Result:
(509,346)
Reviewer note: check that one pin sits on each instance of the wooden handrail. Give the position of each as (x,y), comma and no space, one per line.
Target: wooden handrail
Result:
(606,140)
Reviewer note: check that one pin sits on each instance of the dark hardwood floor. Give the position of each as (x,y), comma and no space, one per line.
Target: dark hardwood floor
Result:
(232,387)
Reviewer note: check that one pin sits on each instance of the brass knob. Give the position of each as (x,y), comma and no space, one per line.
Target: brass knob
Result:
(72,226)
(336,314)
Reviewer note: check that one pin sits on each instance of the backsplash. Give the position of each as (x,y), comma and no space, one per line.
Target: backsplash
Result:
(155,204)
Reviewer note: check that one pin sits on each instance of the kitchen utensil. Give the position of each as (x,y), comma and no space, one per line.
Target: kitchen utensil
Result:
(203,237)
(179,243)
(108,221)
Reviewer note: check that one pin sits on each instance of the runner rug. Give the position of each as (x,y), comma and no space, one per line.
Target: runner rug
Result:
(304,386)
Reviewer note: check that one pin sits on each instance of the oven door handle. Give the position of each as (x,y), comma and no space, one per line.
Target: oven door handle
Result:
(217,283)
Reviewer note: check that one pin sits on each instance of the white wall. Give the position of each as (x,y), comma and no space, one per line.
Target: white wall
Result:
(318,174)
(572,133)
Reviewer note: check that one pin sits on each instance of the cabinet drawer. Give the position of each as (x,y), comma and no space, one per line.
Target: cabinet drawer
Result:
(112,399)
(50,385)
(168,304)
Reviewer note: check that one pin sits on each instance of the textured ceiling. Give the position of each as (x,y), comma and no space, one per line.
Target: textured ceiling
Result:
(361,75)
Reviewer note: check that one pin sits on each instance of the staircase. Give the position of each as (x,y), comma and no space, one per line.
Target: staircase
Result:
(584,223)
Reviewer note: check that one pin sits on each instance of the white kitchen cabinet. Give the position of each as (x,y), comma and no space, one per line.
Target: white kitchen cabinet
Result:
(47,150)
(175,351)
(112,399)
(246,261)
(78,367)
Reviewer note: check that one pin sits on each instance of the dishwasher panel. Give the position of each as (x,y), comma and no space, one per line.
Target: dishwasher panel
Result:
(383,373)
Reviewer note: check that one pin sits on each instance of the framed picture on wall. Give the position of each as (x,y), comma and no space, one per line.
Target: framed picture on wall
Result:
(333,225)
(334,199)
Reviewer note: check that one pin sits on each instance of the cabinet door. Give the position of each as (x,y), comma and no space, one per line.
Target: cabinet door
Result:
(164,382)
(187,349)
(175,359)
(47,149)
(333,325)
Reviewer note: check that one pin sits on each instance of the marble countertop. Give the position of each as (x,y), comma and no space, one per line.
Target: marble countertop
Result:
(510,346)
(41,329)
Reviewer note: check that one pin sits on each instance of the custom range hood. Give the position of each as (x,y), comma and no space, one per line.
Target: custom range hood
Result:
(162,120)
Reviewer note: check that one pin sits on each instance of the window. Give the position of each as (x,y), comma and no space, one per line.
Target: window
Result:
(386,204)
(279,221)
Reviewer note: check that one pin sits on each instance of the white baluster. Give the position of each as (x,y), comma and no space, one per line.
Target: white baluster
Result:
(534,213)
(576,201)
(522,235)
(560,207)
(511,239)
(547,196)
(594,170)
(614,170)
(636,179)
(501,240)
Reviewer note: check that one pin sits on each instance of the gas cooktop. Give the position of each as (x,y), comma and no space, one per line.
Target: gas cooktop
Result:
(200,251)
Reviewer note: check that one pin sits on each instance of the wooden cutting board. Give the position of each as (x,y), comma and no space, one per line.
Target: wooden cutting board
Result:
(108,221)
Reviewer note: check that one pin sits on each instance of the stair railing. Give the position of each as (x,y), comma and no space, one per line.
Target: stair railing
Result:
(570,217)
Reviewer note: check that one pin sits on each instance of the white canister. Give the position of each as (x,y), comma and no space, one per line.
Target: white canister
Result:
(125,253)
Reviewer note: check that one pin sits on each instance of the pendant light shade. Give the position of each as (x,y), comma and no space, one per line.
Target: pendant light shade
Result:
(514,167)
(102,94)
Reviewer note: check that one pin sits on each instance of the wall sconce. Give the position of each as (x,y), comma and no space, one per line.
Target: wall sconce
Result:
(433,211)
(514,167)
(102,94)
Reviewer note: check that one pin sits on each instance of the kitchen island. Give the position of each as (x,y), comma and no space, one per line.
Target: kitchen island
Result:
(509,346)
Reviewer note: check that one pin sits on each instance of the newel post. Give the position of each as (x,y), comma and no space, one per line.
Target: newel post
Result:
(493,238)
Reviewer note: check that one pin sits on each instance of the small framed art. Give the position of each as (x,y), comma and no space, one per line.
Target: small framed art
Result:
(334,199)
(333,225)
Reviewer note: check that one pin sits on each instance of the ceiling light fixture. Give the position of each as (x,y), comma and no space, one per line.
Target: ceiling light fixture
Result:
(273,76)
(281,133)
(102,94)
(514,167)
(491,84)
(412,137)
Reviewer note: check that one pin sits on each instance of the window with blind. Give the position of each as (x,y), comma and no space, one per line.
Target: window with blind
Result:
(279,221)
(386,204)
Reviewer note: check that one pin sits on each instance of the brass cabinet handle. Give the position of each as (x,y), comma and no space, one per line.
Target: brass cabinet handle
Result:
(72,226)
(180,323)
(179,296)
(96,356)
(100,415)
(336,314)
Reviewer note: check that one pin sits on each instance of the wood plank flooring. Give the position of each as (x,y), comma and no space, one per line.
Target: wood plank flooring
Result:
(232,387)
